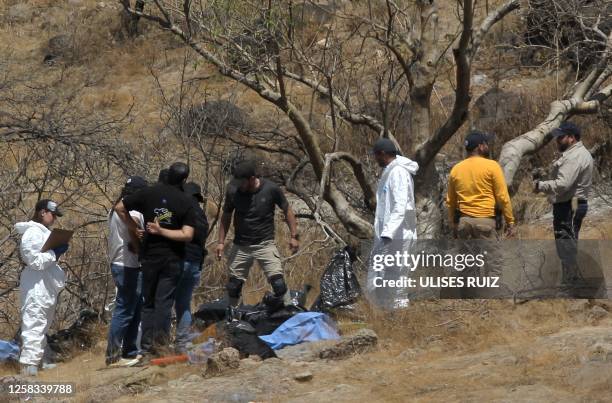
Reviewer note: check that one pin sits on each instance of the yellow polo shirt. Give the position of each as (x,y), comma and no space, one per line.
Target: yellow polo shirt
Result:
(475,186)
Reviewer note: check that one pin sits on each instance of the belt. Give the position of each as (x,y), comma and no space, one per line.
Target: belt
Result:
(469,216)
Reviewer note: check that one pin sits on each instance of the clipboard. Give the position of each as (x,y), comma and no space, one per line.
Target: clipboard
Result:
(58,237)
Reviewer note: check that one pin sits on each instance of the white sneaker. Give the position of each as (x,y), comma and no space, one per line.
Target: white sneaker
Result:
(48,365)
(29,370)
(401,303)
(125,362)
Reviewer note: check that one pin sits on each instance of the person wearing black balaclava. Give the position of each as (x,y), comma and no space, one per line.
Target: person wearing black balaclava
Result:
(170,223)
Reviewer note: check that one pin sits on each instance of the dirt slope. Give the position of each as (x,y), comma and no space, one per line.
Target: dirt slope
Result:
(454,351)
(571,365)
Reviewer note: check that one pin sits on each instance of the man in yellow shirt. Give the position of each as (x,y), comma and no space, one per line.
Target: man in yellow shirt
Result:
(475,186)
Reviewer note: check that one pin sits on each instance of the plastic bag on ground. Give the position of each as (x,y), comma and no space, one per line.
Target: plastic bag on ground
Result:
(213,311)
(199,353)
(243,337)
(339,285)
(8,350)
(305,326)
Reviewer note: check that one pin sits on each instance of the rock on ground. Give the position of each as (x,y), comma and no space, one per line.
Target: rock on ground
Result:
(225,360)
(303,376)
(362,341)
(597,313)
(308,351)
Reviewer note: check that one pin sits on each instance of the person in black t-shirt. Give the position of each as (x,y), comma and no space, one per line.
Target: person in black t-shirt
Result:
(170,220)
(252,200)
(195,251)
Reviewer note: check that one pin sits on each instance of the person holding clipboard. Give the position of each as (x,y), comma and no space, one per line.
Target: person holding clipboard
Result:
(41,281)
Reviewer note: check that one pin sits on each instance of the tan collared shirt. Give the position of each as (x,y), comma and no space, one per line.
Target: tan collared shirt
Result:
(572,175)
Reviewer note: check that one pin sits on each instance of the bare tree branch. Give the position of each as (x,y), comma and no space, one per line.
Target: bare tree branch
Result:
(528,143)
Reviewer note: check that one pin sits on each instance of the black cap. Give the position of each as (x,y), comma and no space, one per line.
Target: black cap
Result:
(133,184)
(136,182)
(193,189)
(245,169)
(50,205)
(177,173)
(567,128)
(384,145)
(476,138)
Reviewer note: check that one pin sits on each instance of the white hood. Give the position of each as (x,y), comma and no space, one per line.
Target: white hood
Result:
(22,227)
(406,163)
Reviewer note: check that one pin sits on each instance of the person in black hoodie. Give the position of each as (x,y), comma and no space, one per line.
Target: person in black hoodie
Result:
(170,223)
(195,251)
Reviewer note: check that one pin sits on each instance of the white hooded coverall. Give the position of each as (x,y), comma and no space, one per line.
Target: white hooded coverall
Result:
(41,281)
(395,209)
(395,219)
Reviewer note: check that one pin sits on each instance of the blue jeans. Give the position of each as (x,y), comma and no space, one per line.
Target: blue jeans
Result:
(190,278)
(123,330)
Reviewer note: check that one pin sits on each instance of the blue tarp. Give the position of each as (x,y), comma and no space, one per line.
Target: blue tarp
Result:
(8,350)
(304,326)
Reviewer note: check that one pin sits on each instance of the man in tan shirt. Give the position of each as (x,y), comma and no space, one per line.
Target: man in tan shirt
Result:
(568,191)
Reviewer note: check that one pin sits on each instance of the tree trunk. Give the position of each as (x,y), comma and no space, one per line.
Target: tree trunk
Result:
(427,190)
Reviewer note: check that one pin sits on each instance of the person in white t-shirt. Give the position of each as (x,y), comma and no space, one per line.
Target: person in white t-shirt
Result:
(122,348)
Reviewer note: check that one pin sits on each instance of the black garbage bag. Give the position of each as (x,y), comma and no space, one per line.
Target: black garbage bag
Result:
(339,286)
(261,317)
(212,312)
(217,310)
(80,335)
(247,313)
(244,323)
(266,324)
(242,336)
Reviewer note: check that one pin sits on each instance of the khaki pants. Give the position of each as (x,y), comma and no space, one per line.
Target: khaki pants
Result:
(476,228)
(242,257)
(473,228)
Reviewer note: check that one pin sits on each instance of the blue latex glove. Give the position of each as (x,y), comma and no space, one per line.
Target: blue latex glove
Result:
(60,250)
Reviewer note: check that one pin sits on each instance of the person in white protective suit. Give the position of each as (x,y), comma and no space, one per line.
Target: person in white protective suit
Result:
(41,281)
(394,222)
